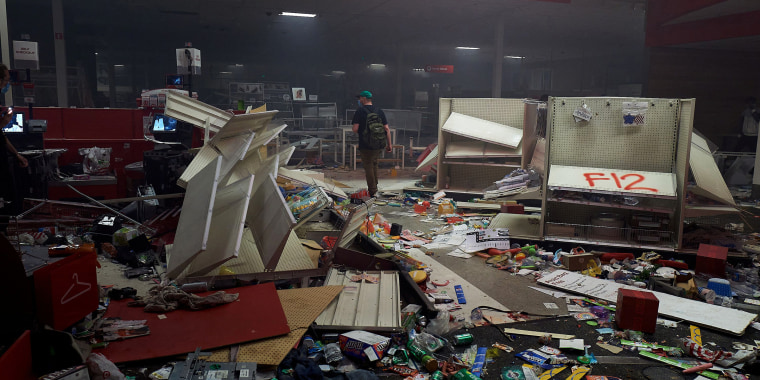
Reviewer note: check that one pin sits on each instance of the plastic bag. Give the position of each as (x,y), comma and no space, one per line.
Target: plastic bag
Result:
(96,160)
(440,325)
(101,368)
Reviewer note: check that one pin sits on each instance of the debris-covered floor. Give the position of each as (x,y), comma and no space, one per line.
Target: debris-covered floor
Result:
(433,303)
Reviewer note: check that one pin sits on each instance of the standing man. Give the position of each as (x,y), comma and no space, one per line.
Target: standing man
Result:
(750,122)
(7,190)
(374,136)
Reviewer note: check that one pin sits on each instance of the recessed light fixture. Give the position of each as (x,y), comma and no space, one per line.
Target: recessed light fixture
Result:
(118,65)
(338,72)
(467,48)
(514,57)
(417,69)
(296,14)
(377,66)
(225,72)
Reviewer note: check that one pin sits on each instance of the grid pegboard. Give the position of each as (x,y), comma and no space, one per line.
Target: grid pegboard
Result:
(682,160)
(510,112)
(474,177)
(604,142)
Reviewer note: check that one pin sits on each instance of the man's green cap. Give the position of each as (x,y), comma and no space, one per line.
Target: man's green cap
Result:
(365,94)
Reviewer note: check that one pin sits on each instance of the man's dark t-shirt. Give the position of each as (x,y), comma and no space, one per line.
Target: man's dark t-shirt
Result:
(360,117)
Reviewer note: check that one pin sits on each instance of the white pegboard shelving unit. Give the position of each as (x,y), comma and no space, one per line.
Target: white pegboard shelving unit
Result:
(470,162)
(615,184)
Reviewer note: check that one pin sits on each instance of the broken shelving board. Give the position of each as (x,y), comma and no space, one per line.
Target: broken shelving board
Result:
(483,130)
(195,220)
(363,304)
(720,318)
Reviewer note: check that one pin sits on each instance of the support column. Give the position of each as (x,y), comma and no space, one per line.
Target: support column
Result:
(498,59)
(6,46)
(399,75)
(60,54)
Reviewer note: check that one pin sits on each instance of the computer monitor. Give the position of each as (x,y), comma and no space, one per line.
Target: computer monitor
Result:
(16,125)
(174,81)
(163,123)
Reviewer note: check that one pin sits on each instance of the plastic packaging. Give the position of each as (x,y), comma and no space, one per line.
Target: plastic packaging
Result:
(101,368)
(333,353)
(440,325)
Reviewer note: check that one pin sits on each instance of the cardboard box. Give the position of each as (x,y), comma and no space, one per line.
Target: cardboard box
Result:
(577,262)
(636,310)
(363,345)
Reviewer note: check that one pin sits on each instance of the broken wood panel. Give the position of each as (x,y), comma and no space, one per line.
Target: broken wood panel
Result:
(329,188)
(195,220)
(227,224)
(430,159)
(294,256)
(245,123)
(724,319)
(205,155)
(345,311)
(483,130)
(389,314)
(334,277)
(706,172)
(270,221)
(195,112)
(366,311)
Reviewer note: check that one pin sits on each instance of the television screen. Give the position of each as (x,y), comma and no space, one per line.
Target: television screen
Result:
(16,125)
(163,123)
(174,80)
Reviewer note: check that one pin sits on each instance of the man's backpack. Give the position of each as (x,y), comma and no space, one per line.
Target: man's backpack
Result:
(374,135)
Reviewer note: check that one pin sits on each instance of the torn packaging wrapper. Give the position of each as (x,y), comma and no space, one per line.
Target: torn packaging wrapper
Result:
(363,345)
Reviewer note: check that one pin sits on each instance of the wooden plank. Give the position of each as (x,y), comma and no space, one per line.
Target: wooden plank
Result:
(716,317)
(537,333)
(270,221)
(483,130)
(227,224)
(195,220)
(656,184)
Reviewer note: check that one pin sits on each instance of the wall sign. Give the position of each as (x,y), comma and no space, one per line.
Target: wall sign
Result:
(441,69)
(26,55)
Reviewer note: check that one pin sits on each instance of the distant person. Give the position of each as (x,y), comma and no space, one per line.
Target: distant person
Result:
(7,190)
(750,121)
(374,136)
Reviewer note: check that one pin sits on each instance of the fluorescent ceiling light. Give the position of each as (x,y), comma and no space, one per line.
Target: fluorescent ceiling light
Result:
(338,72)
(225,72)
(514,57)
(418,69)
(377,66)
(296,14)
(467,48)
(238,65)
(118,65)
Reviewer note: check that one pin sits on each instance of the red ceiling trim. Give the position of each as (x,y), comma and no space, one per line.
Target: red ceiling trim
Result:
(662,11)
(718,28)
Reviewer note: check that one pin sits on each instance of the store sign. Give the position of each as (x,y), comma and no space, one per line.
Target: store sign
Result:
(26,55)
(443,69)
(626,182)
(188,58)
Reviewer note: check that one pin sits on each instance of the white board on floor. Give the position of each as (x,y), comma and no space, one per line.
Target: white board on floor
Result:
(483,130)
(724,319)
(227,224)
(270,221)
(195,220)
(297,176)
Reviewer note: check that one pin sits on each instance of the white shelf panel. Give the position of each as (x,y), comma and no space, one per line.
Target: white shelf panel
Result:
(612,181)
(639,207)
(483,130)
